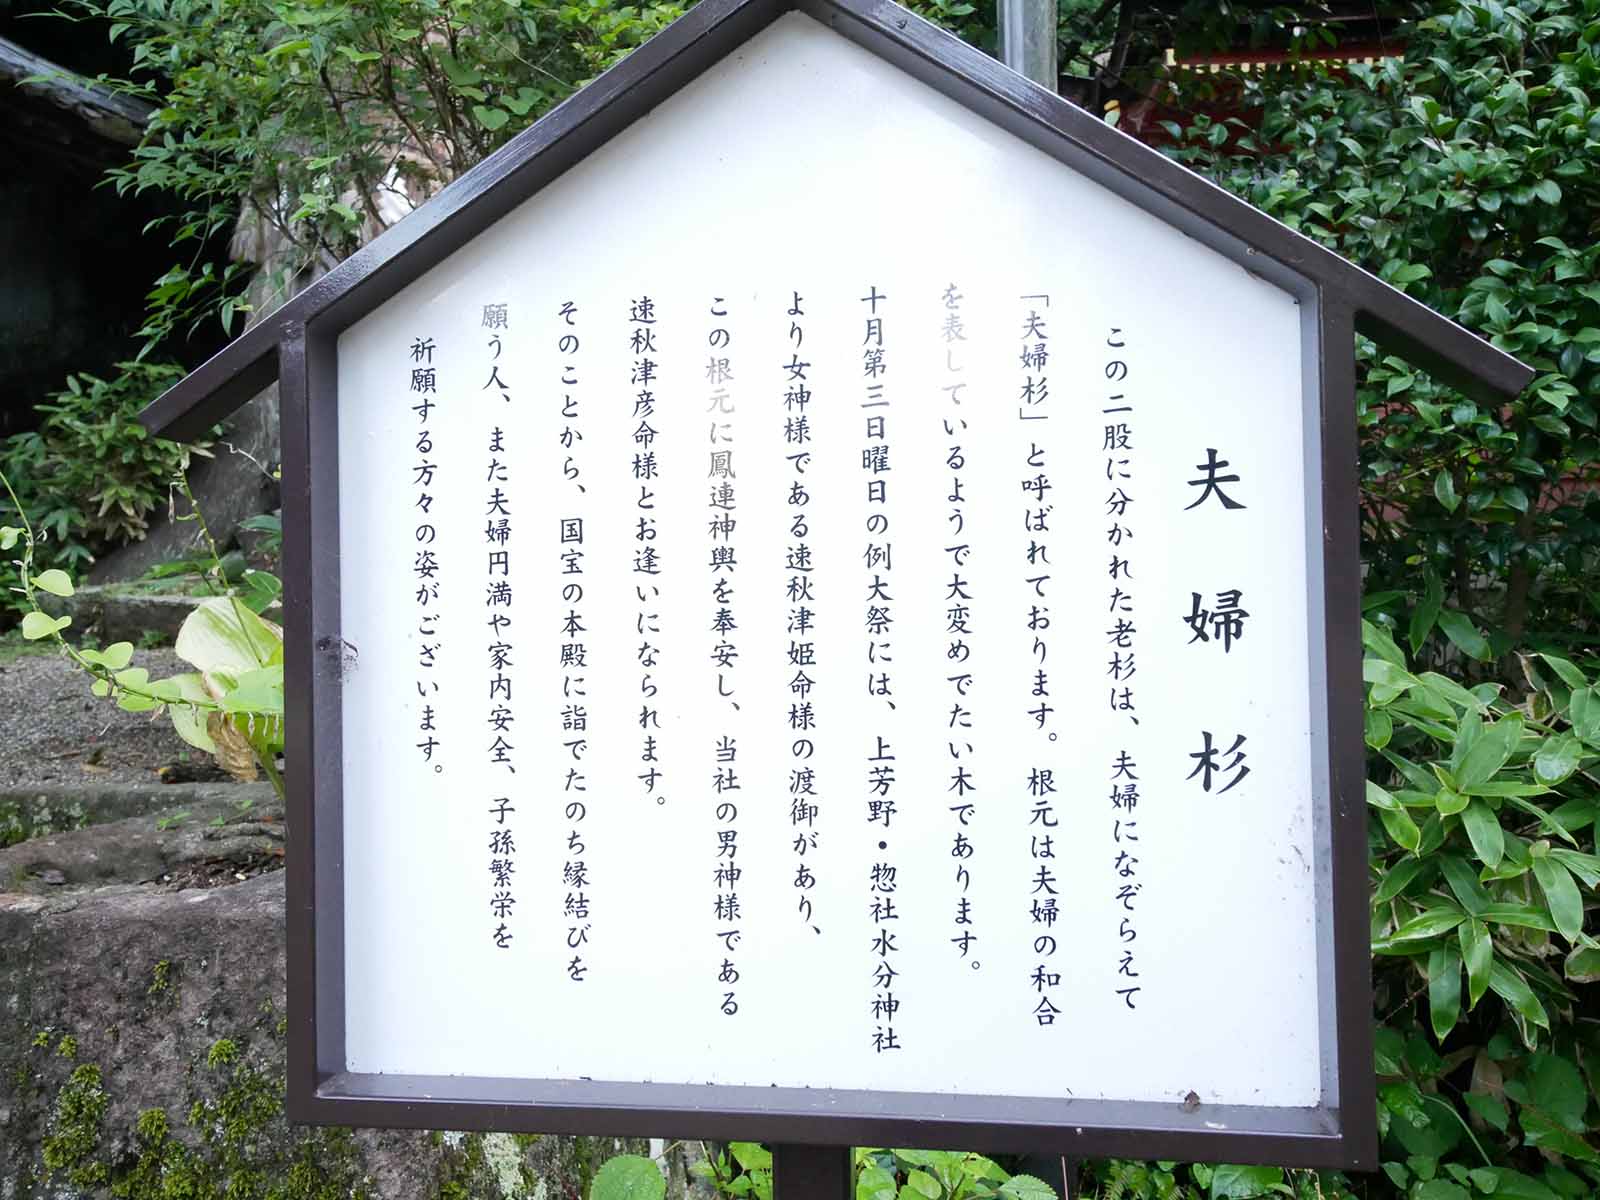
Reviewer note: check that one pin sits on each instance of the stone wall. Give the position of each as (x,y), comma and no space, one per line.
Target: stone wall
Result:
(142,1042)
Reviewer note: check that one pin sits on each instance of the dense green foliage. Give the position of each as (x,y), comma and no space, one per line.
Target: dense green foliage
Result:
(90,476)
(1466,174)
(316,124)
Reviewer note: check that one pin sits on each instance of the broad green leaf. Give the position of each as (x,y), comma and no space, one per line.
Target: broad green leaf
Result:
(1429,924)
(258,691)
(1556,1086)
(1524,916)
(1229,1182)
(1463,881)
(1379,728)
(875,1183)
(1464,635)
(1557,758)
(1451,690)
(1561,894)
(1380,798)
(1583,710)
(117,655)
(490,118)
(1484,832)
(1027,1187)
(752,1156)
(1477,954)
(56,582)
(1544,1132)
(1490,751)
(1450,803)
(1396,879)
(628,1177)
(36,625)
(1441,1189)
(1377,670)
(1510,986)
(1444,490)
(1582,965)
(1444,989)
(188,721)
(1401,828)
(223,635)
(1585,866)
(1377,640)
(1570,675)
(1503,1183)
(923,1184)
(8,536)
(1426,612)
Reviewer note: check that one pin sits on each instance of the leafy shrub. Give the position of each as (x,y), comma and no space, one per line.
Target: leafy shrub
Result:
(90,476)
(307,130)
(1464,173)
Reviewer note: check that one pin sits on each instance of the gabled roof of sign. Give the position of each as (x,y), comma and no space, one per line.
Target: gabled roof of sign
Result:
(710,32)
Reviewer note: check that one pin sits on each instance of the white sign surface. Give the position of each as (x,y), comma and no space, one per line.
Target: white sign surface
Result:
(794,643)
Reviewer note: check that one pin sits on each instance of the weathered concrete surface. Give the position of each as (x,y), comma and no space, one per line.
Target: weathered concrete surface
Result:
(126,999)
(146,849)
(42,811)
(114,614)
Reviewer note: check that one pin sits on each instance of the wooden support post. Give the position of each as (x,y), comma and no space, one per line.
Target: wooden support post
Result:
(812,1173)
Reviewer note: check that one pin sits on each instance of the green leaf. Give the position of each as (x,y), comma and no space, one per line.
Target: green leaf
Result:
(1441,1189)
(1561,894)
(875,1183)
(1027,1187)
(1557,758)
(188,721)
(222,634)
(1477,954)
(1583,710)
(1484,832)
(1570,675)
(8,536)
(628,1177)
(1548,190)
(1396,879)
(1556,1086)
(1544,1132)
(1582,965)
(1426,611)
(1464,635)
(1429,924)
(1444,490)
(490,118)
(36,625)
(923,1184)
(752,1156)
(117,655)
(1509,984)
(56,582)
(1229,1182)
(1444,990)
(1401,828)
(1490,752)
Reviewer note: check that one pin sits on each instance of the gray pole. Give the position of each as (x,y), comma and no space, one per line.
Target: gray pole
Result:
(1028,39)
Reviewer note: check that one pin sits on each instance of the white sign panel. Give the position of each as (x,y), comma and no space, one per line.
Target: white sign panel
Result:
(797,642)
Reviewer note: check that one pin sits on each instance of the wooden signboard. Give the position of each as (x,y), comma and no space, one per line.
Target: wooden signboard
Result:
(764,667)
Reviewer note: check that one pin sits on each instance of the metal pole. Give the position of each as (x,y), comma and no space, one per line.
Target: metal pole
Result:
(812,1173)
(1028,39)
(1069,1178)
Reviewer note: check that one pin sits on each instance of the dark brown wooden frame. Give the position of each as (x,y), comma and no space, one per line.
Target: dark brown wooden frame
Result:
(297,345)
